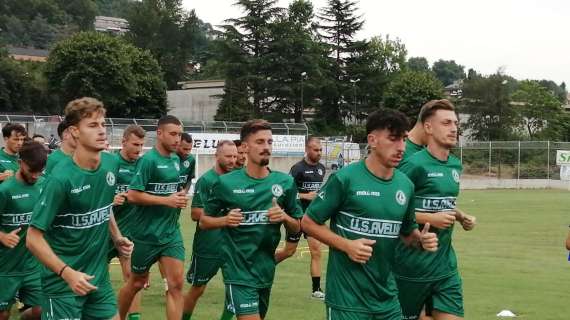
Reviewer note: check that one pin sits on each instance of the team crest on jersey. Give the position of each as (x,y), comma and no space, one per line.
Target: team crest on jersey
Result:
(186,164)
(320,171)
(176,166)
(455,175)
(401,197)
(110,179)
(277,190)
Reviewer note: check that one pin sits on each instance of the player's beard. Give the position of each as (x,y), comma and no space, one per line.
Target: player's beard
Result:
(264,162)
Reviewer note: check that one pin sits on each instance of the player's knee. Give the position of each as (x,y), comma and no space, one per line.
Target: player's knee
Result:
(137,282)
(4,315)
(176,284)
(316,254)
(289,251)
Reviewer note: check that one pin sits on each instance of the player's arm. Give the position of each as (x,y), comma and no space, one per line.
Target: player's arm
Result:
(468,222)
(174,200)
(213,216)
(410,234)
(8,239)
(197,207)
(5,174)
(123,245)
(568,241)
(440,220)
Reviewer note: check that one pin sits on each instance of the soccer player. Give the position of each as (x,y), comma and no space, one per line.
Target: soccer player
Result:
(132,145)
(187,162)
(65,150)
(14,135)
(250,205)
(72,223)
(432,280)
(240,163)
(19,269)
(308,175)
(40,138)
(206,247)
(157,237)
(369,204)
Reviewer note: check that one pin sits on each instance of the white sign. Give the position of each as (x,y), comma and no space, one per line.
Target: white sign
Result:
(562,157)
(206,143)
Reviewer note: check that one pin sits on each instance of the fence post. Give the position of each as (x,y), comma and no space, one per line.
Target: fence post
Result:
(519,166)
(490,150)
(548,160)
(461,151)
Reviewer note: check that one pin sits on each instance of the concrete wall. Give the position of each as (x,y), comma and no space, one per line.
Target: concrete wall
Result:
(198,101)
(481,184)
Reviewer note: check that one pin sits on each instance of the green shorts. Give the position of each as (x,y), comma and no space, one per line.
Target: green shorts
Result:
(202,270)
(336,314)
(445,295)
(243,300)
(145,255)
(100,304)
(28,287)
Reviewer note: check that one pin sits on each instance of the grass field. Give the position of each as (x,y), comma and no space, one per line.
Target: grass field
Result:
(513,260)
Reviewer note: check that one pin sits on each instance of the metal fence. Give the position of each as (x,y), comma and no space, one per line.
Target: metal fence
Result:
(47,126)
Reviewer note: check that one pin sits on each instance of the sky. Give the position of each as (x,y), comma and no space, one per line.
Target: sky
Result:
(528,38)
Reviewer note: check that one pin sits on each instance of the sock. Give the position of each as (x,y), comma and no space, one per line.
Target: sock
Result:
(186,316)
(316,284)
(227,315)
(165,284)
(134,316)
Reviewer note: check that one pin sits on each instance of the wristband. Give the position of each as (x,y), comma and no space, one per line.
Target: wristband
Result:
(61,271)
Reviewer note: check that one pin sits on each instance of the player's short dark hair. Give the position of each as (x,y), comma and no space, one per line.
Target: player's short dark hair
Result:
(186,137)
(222,143)
(34,154)
(138,131)
(168,119)
(37,135)
(395,121)
(237,142)
(431,107)
(13,127)
(82,108)
(253,126)
(61,128)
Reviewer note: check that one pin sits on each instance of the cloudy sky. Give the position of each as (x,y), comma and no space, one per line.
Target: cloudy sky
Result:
(529,38)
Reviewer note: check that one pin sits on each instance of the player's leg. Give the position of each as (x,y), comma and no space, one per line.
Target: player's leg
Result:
(31,295)
(174,272)
(62,308)
(315,249)
(243,301)
(448,299)
(201,271)
(291,243)
(134,312)
(163,277)
(101,304)
(8,293)
(413,296)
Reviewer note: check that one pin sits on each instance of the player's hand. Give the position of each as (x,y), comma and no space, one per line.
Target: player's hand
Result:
(442,220)
(234,218)
(177,200)
(6,174)
(120,199)
(428,239)
(311,195)
(78,281)
(468,222)
(360,250)
(11,239)
(124,246)
(275,213)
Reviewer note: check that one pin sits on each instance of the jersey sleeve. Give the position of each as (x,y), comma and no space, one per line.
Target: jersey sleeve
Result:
(215,203)
(199,194)
(328,201)
(292,204)
(142,175)
(409,221)
(3,200)
(294,172)
(412,171)
(49,204)
(192,172)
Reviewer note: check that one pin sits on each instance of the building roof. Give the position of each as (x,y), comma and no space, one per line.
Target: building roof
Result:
(31,54)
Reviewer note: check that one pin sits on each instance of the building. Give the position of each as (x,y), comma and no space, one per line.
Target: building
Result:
(197,100)
(28,54)
(566,106)
(112,25)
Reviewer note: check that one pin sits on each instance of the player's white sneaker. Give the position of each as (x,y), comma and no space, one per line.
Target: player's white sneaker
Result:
(318,295)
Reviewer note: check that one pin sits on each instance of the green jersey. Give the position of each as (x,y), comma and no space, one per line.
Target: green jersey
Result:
(8,162)
(124,214)
(249,249)
(54,159)
(158,175)
(437,187)
(187,171)
(207,243)
(361,205)
(17,200)
(73,211)
(411,149)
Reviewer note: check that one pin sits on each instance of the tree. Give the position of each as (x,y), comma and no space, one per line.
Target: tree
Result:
(338,26)
(418,64)
(410,90)
(169,33)
(537,107)
(486,99)
(448,71)
(14,89)
(126,79)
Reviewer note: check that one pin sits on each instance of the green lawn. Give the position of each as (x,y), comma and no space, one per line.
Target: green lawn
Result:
(513,260)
